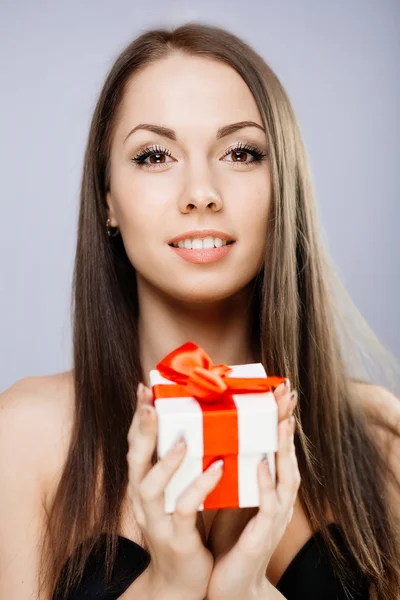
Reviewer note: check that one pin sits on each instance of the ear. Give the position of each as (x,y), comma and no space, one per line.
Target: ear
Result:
(111,213)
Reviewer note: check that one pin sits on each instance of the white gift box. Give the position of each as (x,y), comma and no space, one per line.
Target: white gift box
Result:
(257,436)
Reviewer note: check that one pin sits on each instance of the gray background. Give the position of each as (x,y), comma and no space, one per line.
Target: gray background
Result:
(337,60)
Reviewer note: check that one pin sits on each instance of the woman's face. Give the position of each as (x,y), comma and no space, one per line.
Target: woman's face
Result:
(201,179)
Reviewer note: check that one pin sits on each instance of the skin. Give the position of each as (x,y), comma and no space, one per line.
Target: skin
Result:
(200,185)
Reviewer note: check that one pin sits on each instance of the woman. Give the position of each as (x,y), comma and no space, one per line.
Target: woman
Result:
(193,137)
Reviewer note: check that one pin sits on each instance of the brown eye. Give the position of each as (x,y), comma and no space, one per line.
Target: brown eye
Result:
(153,156)
(244,154)
(156,158)
(237,154)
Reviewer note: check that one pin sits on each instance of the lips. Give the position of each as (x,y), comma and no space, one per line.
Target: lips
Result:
(202,245)
(204,255)
(208,243)
(201,234)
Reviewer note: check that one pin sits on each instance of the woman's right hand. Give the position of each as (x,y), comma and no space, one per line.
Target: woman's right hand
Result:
(180,564)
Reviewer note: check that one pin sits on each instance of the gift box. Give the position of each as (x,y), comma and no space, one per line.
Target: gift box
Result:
(222,411)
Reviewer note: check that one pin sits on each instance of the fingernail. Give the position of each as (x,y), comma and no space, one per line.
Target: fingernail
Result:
(139,388)
(265,464)
(293,398)
(216,466)
(179,445)
(284,386)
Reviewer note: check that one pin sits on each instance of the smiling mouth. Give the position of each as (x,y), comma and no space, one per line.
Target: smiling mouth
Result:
(207,243)
(203,254)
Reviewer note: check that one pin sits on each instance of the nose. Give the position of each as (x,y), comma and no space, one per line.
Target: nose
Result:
(201,196)
(203,203)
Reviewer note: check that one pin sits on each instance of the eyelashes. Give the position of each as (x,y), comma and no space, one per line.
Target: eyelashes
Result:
(150,151)
(257,155)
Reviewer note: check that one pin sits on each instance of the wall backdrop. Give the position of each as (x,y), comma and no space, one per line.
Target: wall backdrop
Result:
(339,64)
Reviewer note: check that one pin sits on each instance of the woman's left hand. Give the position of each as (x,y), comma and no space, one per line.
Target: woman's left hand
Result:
(240,574)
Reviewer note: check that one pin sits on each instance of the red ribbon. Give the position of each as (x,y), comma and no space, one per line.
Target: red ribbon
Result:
(193,374)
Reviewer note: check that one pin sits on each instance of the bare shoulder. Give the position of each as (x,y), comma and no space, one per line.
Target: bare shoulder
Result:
(35,425)
(382,409)
(36,415)
(378,403)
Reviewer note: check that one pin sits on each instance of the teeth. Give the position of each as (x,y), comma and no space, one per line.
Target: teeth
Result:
(198,244)
(208,242)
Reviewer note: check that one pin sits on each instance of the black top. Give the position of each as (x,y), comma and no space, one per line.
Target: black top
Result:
(309,576)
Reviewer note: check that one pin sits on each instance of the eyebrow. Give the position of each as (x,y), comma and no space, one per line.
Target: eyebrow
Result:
(171,134)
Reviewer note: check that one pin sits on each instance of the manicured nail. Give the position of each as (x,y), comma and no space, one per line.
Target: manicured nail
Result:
(283,387)
(293,398)
(140,388)
(179,445)
(216,466)
(265,465)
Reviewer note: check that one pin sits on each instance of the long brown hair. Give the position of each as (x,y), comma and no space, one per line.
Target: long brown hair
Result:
(296,332)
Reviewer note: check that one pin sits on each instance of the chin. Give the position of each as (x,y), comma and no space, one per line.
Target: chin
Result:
(205,295)
(202,298)
(195,288)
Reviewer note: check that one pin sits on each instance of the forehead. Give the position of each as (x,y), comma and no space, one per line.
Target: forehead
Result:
(187,91)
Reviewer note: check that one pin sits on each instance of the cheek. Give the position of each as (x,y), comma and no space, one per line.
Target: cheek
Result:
(134,224)
(252,197)
(255,231)
(137,191)
(141,206)
(254,217)
(143,221)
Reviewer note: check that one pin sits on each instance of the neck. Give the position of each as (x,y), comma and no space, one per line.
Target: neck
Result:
(222,328)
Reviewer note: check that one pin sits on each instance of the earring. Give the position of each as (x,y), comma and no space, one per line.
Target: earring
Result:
(109,229)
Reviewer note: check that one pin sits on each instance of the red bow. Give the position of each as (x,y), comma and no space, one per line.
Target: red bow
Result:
(194,374)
